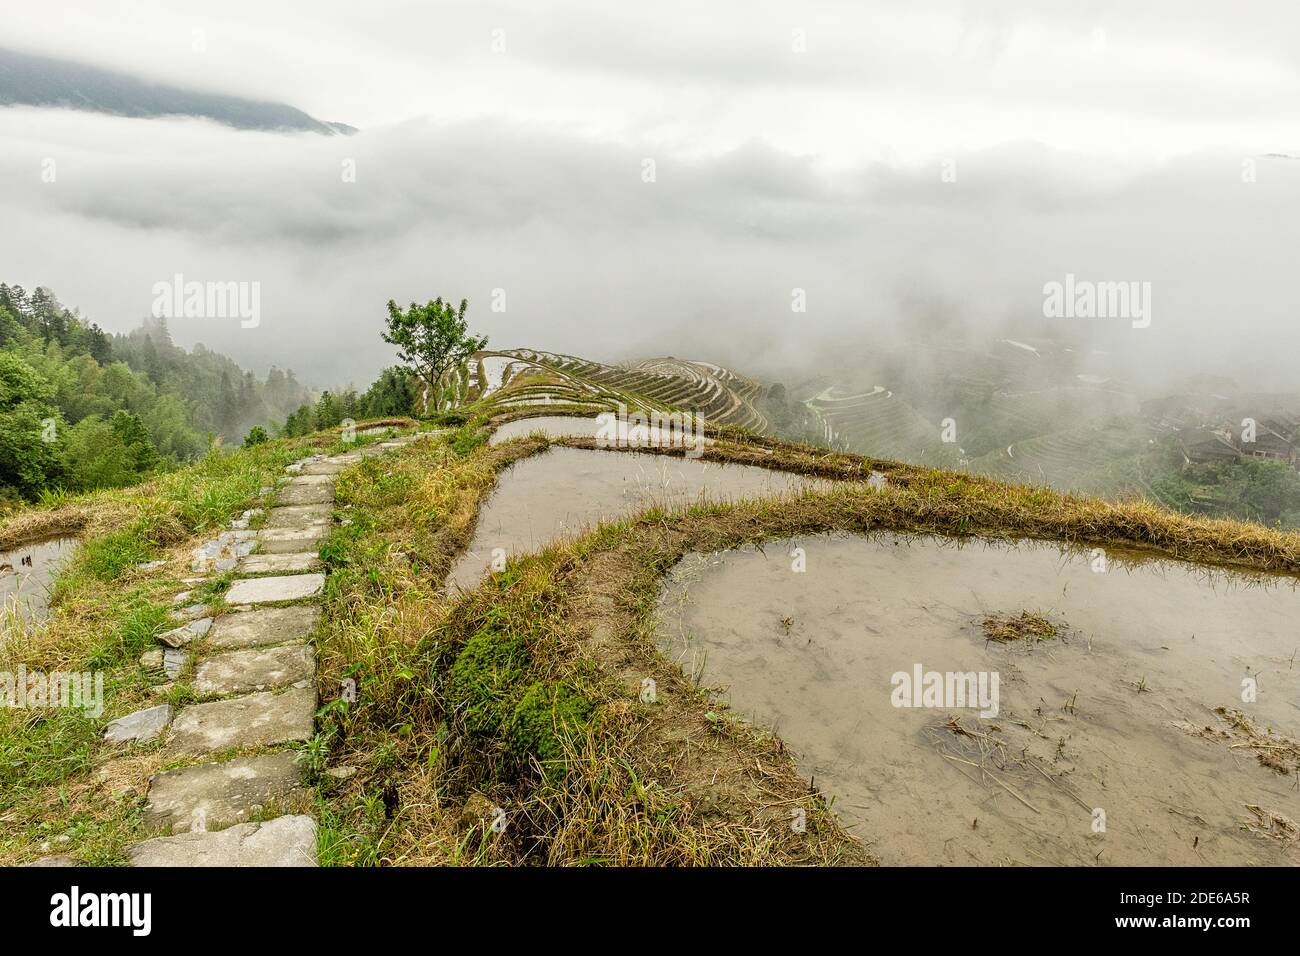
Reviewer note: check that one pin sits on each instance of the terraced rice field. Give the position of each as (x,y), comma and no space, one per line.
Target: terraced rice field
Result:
(1120,738)
(566,491)
(876,422)
(523,377)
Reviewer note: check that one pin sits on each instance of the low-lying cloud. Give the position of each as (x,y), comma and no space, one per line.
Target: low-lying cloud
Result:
(595,260)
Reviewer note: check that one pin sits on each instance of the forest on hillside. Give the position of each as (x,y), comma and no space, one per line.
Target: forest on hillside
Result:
(82,409)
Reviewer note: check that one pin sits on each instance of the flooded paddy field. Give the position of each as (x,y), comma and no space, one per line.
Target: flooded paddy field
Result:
(1143,712)
(565,491)
(629,433)
(553,426)
(26,573)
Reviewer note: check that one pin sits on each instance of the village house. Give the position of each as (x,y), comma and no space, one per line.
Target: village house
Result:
(1202,446)
(1274,440)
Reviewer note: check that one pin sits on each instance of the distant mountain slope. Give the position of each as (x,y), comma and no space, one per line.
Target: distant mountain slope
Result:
(27,80)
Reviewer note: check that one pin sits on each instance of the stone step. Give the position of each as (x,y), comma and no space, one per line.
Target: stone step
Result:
(286,587)
(292,540)
(284,841)
(272,625)
(324,467)
(286,563)
(239,672)
(257,720)
(305,480)
(299,516)
(213,795)
(307,490)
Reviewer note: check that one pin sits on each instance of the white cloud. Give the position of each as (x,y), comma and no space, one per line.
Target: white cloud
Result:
(821,170)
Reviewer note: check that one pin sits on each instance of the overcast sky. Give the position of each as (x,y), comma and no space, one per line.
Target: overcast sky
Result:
(894,160)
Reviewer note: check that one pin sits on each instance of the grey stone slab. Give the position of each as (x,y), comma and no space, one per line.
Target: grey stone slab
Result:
(291,540)
(293,494)
(177,636)
(174,661)
(285,563)
(180,636)
(257,720)
(139,727)
(298,516)
(299,532)
(214,795)
(238,672)
(285,587)
(323,468)
(284,841)
(272,625)
(307,480)
(192,612)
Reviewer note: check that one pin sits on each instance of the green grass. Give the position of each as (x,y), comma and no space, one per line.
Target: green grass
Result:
(106,613)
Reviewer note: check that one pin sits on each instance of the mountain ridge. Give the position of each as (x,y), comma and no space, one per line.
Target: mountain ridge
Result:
(32,80)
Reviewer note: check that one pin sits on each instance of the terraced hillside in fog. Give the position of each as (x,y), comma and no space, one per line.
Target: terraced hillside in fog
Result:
(523,377)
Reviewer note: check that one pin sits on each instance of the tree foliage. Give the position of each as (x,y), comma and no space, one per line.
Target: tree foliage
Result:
(393,394)
(431,338)
(80,409)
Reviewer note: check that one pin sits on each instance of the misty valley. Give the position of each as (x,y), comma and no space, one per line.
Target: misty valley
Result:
(721,436)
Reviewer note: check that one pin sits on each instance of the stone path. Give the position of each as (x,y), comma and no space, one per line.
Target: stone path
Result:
(255,677)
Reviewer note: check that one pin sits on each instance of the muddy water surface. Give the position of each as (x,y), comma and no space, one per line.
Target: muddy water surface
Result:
(553,426)
(565,491)
(1105,749)
(568,426)
(26,573)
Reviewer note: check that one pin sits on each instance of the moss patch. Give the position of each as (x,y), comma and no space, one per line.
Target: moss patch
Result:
(544,723)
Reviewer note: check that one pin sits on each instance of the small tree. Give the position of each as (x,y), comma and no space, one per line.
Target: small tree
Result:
(431,338)
(256,436)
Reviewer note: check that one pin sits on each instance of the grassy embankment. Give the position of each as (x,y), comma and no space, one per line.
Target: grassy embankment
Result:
(523,695)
